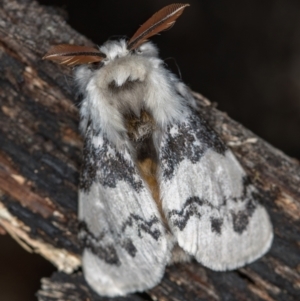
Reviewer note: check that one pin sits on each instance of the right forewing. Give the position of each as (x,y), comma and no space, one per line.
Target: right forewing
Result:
(210,204)
(125,247)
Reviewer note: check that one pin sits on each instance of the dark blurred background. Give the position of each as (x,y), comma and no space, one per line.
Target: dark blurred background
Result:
(243,55)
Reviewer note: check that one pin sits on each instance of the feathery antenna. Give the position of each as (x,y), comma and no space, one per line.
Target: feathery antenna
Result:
(72,55)
(160,21)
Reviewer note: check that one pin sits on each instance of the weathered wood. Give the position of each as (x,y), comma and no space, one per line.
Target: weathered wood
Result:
(40,155)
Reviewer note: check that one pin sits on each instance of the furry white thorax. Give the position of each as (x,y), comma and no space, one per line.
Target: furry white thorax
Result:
(151,87)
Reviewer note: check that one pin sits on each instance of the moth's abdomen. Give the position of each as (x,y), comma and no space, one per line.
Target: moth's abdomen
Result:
(140,131)
(148,170)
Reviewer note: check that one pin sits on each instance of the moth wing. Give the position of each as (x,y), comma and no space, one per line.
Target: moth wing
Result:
(210,204)
(125,247)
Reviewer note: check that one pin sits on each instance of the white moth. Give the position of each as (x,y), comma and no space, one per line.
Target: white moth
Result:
(157,184)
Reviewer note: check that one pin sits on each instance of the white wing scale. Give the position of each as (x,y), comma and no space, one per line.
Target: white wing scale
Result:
(124,239)
(211,207)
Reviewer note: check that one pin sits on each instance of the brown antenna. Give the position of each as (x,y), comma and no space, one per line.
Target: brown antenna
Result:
(160,21)
(72,55)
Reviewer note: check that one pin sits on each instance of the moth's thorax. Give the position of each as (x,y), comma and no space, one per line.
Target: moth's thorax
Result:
(124,82)
(129,82)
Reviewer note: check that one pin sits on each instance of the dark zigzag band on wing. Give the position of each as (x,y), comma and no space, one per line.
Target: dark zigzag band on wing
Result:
(240,219)
(179,145)
(90,241)
(107,170)
(107,252)
(143,226)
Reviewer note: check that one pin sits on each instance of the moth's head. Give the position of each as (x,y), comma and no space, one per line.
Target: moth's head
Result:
(72,55)
(114,49)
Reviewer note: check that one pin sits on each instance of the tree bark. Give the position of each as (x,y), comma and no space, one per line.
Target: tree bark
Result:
(40,155)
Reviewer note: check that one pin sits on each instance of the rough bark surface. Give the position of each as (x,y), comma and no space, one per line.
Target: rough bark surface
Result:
(40,155)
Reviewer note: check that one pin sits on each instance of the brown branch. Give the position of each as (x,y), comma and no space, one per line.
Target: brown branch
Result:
(40,154)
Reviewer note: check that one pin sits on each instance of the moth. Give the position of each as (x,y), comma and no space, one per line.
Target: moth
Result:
(157,183)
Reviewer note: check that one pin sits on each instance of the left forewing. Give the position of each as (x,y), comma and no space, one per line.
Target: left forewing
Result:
(209,202)
(124,242)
